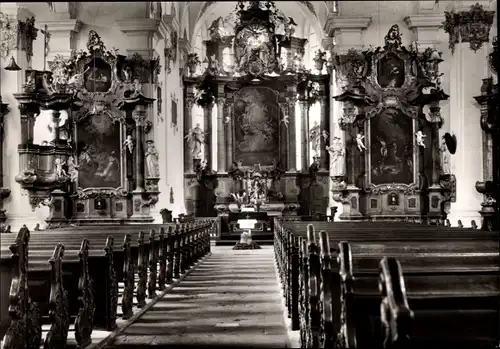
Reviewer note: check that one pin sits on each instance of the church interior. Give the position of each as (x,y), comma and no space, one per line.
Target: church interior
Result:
(309,174)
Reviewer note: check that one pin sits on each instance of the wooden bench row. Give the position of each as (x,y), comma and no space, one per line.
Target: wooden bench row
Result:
(83,277)
(318,281)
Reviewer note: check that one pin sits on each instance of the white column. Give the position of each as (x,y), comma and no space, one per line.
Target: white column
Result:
(348,33)
(467,69)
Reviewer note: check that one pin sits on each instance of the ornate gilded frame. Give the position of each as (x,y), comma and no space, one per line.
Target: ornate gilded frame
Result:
(94,103)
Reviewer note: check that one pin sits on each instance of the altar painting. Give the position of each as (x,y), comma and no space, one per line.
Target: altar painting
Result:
(99,152)
(391,143)
(97,76)
(256,113)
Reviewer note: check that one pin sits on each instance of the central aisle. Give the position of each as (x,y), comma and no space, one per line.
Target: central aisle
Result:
(230,298)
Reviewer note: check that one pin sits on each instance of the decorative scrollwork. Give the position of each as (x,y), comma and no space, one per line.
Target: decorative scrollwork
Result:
(113,286)
(393,187)
(25,329)
(128,279)
(85,318)
(92,193)
(58,303)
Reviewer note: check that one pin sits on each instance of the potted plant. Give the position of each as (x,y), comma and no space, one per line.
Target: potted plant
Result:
(319,60)
(192,62)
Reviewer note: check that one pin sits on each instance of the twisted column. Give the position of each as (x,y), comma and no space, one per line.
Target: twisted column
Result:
(139,115)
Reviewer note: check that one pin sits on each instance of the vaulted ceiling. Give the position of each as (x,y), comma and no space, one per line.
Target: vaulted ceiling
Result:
(192,15)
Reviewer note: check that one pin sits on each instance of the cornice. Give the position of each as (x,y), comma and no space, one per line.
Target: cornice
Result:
(65,25)
(430,21)
(335,23)
(135,25)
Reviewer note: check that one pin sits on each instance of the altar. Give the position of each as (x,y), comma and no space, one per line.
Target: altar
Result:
(258,97)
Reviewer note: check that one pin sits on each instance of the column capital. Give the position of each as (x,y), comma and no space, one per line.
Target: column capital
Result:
(62,35)
(63,26)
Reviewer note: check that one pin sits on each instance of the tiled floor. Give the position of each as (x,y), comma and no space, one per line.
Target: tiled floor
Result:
(231,298)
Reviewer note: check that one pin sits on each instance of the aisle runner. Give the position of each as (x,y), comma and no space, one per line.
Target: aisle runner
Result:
(231,298)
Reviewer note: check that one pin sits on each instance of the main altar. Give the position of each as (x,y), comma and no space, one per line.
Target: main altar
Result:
(255,80)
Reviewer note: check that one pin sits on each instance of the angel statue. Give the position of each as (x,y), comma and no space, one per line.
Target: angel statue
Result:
(315,136)
(420,139)
(359,142)
(337,157)
(196,138)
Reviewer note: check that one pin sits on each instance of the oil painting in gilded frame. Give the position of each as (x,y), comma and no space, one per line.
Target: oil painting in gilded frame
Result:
(256,126)
(99,152)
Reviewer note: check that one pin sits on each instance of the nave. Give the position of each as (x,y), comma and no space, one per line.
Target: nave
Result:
(322,284)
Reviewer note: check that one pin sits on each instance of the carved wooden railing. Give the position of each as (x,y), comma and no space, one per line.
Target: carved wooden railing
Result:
(304,293)
(142,271)
(58,303)
(170,254)
(347,336)
(128,279)
(152,264)
(162,259)
(314,288)
(84,321)
(177,252)
(395,314)
(112,280)
(294,283)
(182,249)
(25,329)
(327,334)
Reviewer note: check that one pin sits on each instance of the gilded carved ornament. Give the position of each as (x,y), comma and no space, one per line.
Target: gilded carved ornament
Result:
(471,26)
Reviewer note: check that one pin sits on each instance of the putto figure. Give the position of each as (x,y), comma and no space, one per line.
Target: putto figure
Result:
(128,144)
(420,139)
(359,142)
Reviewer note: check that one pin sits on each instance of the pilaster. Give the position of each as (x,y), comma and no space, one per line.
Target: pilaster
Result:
(62,36)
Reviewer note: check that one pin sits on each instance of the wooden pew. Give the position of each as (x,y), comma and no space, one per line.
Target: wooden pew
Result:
(450,308)
(193,242)
(288,246)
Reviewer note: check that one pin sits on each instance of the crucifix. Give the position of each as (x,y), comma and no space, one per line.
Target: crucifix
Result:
(46,39)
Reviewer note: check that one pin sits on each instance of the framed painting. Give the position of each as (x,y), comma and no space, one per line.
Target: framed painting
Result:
(97,76)
(256,126)
(98,152)
(391,147)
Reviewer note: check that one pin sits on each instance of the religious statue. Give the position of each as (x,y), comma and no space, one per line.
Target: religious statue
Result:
(359,142)
(72,169)
(196,138)
(128,144)
(420,138)
(325,135)
(445,159)
(337,157)
(137,86)
(61,173)
(77,81)
(315,136)
(151,155)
